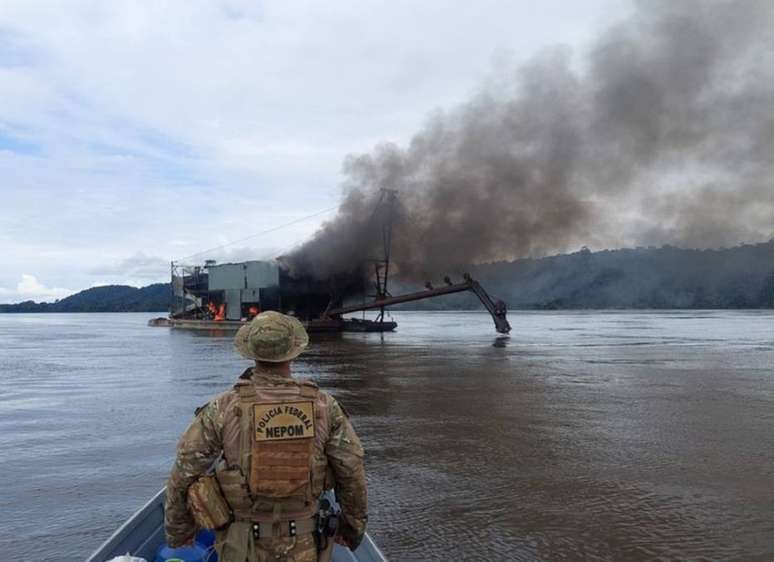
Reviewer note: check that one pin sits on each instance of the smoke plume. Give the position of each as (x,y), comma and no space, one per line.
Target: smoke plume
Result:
(662,133)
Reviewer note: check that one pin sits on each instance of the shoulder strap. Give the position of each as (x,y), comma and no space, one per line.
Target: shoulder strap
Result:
(308,389)
(245,389)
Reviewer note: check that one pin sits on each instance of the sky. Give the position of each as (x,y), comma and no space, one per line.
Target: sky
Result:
(134,133)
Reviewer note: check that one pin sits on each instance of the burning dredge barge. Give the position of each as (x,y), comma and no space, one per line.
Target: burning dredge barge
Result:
(224,296)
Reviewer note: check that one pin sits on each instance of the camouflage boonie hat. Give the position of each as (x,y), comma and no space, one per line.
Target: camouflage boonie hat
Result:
(272,337)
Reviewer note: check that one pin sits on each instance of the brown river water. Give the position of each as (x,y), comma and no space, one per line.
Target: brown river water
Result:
(582,436)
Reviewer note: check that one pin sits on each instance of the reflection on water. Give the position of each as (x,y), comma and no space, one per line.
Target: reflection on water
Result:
(609,436)
(501,341)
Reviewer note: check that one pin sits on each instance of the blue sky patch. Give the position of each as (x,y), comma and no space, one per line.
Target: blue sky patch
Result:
(11,143)
(13,52)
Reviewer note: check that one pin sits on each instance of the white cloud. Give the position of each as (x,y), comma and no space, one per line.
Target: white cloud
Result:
(29,288)
(163,128)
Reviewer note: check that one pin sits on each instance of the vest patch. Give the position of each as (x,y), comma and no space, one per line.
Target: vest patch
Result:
(288,420)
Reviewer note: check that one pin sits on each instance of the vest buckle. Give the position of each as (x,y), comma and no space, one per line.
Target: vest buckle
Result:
(291,528)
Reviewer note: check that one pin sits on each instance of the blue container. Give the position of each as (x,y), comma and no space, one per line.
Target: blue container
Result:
(202,550)
(206,538)
(192,553)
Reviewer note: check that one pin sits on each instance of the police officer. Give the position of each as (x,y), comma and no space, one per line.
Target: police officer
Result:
(274,443)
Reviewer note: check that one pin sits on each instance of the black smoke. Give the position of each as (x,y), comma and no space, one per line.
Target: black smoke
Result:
(662,133)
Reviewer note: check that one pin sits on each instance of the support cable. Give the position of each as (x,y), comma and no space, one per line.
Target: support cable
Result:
(273,229)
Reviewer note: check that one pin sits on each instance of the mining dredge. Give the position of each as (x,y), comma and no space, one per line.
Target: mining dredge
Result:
(224,296)
(197,315)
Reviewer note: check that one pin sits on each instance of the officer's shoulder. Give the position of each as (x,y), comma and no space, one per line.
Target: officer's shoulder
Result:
(324,394)
(332,403)
(336,406)
(309,384)
(215,402)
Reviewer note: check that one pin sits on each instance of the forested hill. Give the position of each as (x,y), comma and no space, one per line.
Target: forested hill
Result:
(666,277)
(109,298)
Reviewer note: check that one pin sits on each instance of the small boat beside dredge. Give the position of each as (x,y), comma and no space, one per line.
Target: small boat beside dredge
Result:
(142,535)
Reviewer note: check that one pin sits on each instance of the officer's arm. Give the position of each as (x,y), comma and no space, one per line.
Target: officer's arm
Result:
(345,456)
(197,449)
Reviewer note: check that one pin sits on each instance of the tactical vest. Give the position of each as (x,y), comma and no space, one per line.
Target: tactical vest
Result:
(274,465)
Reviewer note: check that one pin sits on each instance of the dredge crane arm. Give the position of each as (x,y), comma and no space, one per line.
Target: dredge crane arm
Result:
(497,308)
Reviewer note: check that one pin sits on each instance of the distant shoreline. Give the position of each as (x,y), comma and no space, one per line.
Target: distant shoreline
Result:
(665,278)
(398,310)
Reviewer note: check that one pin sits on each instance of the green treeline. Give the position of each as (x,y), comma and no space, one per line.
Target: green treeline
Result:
(109,298)
(666,277)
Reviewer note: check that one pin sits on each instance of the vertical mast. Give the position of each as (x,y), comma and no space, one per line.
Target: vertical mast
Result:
(388,197)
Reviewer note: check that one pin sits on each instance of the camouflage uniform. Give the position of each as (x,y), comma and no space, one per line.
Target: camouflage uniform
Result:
(215,435)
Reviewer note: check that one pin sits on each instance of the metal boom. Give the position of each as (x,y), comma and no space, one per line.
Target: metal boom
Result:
(496,308)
